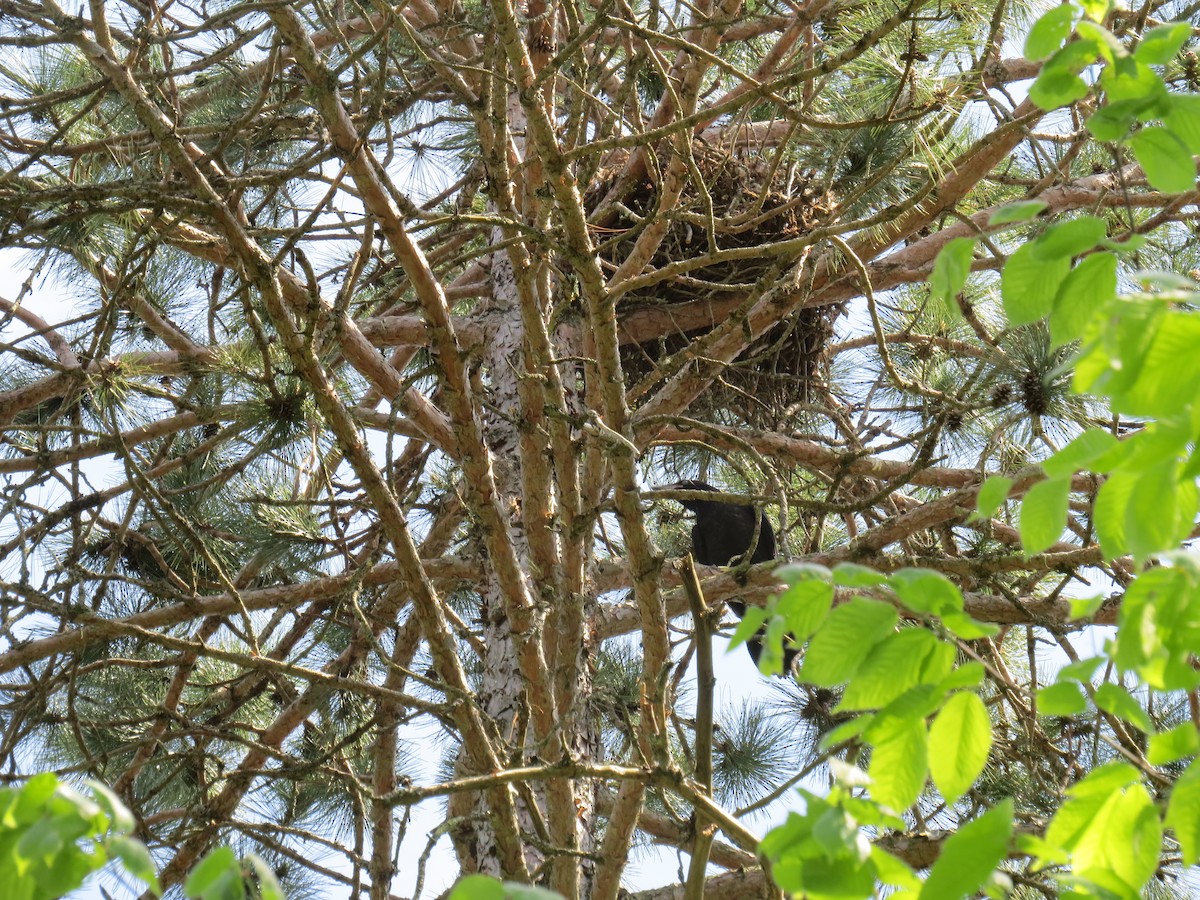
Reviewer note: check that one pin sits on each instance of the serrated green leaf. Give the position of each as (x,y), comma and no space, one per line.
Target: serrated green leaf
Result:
(1081,670)
(970,674)
(1150,520)
(1044,514)
(971,855)
(1112,121)
(804,607)
(1165,381)
(1158,46)
(1050,32)
(1121,840)
(894,665)
(477,887)
(1029,285)
(850,633)
(1108,513)
(1056,87)
(899,765)
(855,576)
(893,871)
(926,591)
(1129,79)
(1170,746)
(1165,159)
(1183,119)
(794,573)
(960,739)
(992,493)
(846,731)
(1022,211)
(747,627)
(1070,238)
(1085,449)
(1063,699)
(1183,813)
(963,626)
(950,271)
(1085,607)
(1087,291)
(1113,698)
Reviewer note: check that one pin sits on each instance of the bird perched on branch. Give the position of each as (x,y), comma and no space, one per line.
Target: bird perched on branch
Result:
(722,535)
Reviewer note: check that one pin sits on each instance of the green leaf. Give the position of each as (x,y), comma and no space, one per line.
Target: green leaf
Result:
(1113,698)
(1086,292)
(1029,285)
(1183,119)
(1158,46)
(894,872)
(926,591)
(899,765)
(1081,671)
(1063,699)
(1057,87)
(795,573)
(950,272)
(1183,813)
(1150,521)
(846,731)
(478,887)
(1169,746)
(1108,512)
(971,855)
(963,626)
(1044,514)
(217,876)
(1096,10)
(1129,79)
(1068,239)
(747,628)
(1165,159)
(855,576)
(1050,32)
(1112,121)
(137,860)
(1121,841)
(896,664)
(120,818)
(1085,607)
(850,632)
(1022,211)
(804,606)
(1085,449)
(992,493)
(959,742)
(970,674)
(1165,381)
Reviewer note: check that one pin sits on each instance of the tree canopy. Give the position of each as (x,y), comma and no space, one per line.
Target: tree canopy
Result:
(353,347)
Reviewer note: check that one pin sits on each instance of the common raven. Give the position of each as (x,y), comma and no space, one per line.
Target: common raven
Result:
(721,536)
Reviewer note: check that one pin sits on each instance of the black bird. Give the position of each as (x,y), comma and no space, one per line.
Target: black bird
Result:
(721,537)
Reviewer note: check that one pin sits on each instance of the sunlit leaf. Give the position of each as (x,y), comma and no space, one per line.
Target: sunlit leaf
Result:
(960,739)
(971,855)
(1165,159)
(1044,514)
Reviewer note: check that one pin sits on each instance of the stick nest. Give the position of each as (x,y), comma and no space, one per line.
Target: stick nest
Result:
(740,202)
